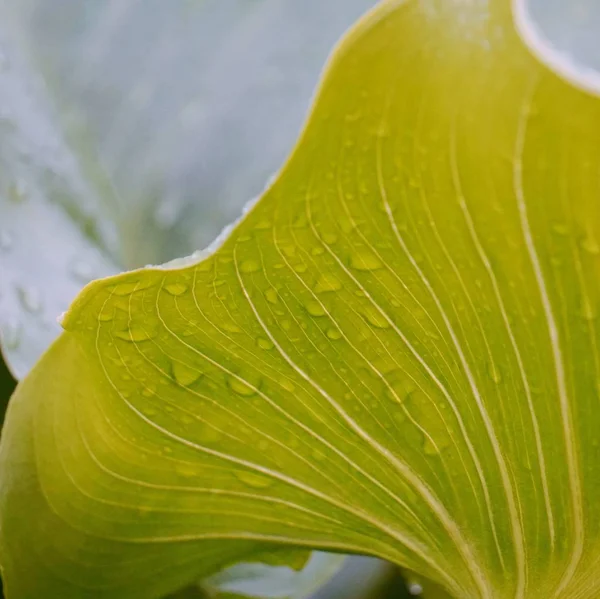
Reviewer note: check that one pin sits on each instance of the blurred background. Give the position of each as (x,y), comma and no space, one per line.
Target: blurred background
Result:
(154,123)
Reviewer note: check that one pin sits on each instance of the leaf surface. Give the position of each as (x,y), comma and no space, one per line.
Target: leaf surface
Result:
(395,352)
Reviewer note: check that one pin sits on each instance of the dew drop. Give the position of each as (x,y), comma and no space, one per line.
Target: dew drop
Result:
(375,318)
(399,390)
(415,589)
(186,419)
(590,245)
(301,267)
(11,336)
(272,295)
(494,373)
(17,192)
(365,261)
(30,298)
(176,288)
(560,229)
(6,240)
(186,470)
(319,456)
(264,343)
(329,238)
(333,334)
(208,434)
(241,388)
(106,315)
(327,283)
(248,266)
(257,481)
(135,334)
(287,385)
(230,327)
(587,310)
(317,251)
(125,288)
(82,271)
(263,225)
(429,448)
(314,308)
(185,375)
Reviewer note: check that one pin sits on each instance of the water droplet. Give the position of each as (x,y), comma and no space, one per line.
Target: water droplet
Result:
(317,251)
(6,240)
(429,448)
(258,481)
(185,375)
(347,224)
(560,229)
(287,384)
(240,387)
(168,211)
(135,334)
(11,334)
(176,288)
(375,318)
(494,373)
(318,455)
(249,266)
(263,225)
(365,260)
(314,308)
(186,470)
(334,334)
(81,270)
(106,315)
(186,419)
(327,283)
(414,588)
(264,343)
(587,310)
(17,192)
(230,327)
(286,325)
(590,245)
(272,295)
(329,238)
(125,288)
(399,390)
(30,298)
(301,267)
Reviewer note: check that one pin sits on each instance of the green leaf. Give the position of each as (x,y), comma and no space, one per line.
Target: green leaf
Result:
(84,193)
(395,352)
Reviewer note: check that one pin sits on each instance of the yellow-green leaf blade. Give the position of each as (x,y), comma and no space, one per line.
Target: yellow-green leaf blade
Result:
(395,352)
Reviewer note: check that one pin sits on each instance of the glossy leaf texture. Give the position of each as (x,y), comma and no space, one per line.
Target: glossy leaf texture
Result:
(395,352)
